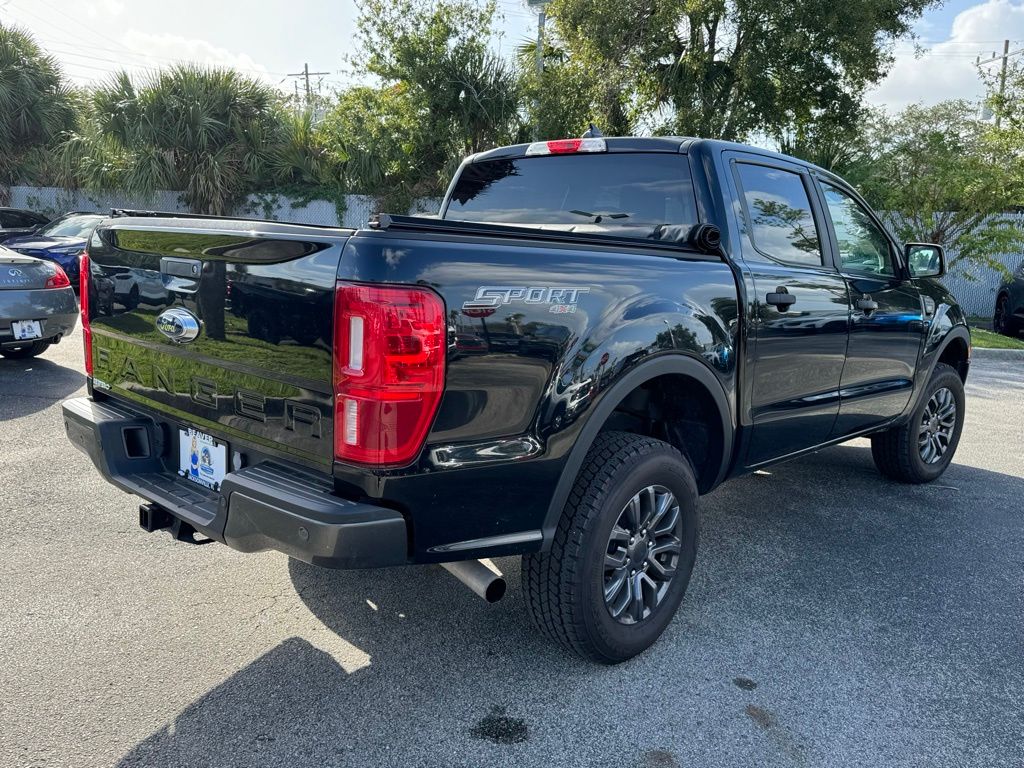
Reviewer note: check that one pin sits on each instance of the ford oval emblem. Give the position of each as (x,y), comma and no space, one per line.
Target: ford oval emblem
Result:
(178,324)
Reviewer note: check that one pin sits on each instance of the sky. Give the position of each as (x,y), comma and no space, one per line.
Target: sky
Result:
(272,40)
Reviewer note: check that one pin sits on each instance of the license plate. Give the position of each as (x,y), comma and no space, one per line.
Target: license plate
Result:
(25,330)
(201,459)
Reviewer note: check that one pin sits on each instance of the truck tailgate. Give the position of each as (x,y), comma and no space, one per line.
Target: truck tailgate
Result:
(260,295)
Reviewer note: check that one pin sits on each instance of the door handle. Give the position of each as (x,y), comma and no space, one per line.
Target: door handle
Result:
(781,298)
(866,304)
(176,267)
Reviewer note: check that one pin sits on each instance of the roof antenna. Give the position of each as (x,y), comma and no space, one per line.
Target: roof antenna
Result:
(592,132)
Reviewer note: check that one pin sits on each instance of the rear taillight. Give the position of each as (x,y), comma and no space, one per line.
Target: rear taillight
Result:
(83,303)
(389,358)
(58,279)
(566,146)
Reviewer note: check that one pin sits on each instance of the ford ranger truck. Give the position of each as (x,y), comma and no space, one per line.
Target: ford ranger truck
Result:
(591,334)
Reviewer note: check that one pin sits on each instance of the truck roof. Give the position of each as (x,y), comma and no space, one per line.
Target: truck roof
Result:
(680,144)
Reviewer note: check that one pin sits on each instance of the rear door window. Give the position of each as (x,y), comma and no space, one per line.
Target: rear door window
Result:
(778,208)
(644,195)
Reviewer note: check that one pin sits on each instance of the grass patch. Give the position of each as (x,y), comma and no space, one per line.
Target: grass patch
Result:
(983,339)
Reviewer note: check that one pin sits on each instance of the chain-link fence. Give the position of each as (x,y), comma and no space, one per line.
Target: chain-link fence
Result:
(974,288)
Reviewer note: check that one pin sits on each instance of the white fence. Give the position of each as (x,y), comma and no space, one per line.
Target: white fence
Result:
(357,208)
(973,287)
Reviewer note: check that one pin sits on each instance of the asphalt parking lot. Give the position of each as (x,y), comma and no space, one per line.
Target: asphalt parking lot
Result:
(834,618)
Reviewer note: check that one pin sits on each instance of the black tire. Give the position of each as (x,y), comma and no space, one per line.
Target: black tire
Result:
(132,302)
(565,587)
(1002,321)
(898,453)
(26,350)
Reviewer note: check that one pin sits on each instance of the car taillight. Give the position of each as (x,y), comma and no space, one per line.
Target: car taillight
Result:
(389,359)
(83,303)
(566,146)
(58,279)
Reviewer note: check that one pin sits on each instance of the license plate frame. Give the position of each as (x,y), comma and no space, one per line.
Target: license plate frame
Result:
(202,458)
(26,330)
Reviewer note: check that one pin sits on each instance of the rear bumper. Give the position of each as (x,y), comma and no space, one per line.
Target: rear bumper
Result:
(56,309)
(269,505)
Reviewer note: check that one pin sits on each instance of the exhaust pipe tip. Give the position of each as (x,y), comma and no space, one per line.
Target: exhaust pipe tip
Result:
(482,578)
(495,590)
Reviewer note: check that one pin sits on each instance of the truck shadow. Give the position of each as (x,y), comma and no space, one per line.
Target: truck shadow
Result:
(29,386)
(790,562)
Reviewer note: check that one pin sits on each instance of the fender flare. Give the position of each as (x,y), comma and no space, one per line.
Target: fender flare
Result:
(956,332)
(642,373)
(928,365)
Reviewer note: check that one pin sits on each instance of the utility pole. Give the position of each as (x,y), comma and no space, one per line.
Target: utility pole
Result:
(306,74)
(1002,76)
(1004,63)
(541,7)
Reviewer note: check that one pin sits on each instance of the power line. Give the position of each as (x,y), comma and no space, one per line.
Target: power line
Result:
(305,73)
(123,50)
(145,60)
(1004,61)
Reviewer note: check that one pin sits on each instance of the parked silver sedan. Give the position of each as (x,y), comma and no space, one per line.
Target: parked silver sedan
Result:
(37,305)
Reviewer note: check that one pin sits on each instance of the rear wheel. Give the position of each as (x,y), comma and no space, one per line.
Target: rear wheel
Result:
(1003,321)
(623,551)
(920,450)
(26,350)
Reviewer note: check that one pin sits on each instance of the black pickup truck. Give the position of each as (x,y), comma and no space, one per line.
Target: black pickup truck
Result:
(591,334)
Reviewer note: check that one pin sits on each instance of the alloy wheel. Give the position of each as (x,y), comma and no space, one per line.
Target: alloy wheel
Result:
(642,554)
(937,425)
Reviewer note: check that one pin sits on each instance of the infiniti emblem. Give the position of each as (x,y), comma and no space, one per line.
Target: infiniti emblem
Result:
(178,324)
(15,272)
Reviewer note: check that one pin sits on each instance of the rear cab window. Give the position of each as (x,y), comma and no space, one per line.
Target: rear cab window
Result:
(647,195)
(778,208)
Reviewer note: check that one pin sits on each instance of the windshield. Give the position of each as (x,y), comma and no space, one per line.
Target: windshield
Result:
(71,226)
(637,194)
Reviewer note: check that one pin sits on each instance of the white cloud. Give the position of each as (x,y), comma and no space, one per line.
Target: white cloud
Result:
(947,70)
(161,50)
(104,8)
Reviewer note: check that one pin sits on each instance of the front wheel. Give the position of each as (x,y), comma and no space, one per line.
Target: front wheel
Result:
(623,551)
(26,351)
(920,450)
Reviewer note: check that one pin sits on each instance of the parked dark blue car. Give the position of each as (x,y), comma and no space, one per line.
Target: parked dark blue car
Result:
(61,241)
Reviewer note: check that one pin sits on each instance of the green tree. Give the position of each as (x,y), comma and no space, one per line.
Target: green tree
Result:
(943,176)
(300,157)
(376,137)
(36,109)
(729,68)
(831,141)
(211,133)
(443,95)
(559,102)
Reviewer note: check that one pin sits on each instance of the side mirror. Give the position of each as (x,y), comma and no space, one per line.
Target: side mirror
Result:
(925,259)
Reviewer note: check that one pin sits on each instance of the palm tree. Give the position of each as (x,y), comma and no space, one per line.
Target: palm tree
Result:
(35,106)
(208,132)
